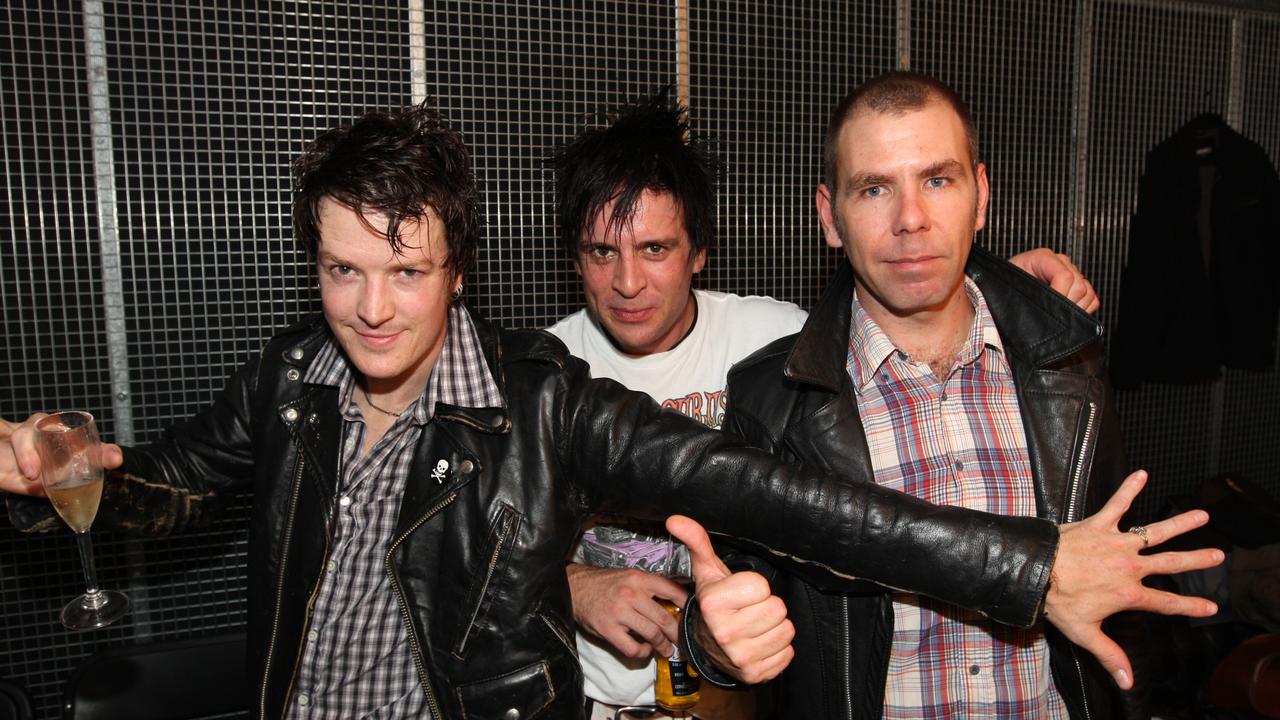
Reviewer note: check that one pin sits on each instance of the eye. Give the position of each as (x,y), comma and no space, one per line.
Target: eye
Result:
(409,273)
(340,270)
(655,249)
(936,182)
(600,252)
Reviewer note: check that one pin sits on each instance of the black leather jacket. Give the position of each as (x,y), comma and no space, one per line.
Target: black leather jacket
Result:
(794,398)
(477,564)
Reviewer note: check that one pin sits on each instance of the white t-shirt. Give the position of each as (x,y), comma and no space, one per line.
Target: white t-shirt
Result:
(689,378)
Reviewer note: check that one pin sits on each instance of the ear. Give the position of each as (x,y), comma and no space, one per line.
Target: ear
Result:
(698,261)
(984,193)
(823,199)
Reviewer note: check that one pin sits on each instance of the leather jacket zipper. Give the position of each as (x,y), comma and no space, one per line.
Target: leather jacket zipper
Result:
(1072,508)
(1073,501)
(508,521)
(284,561)
(432,703)
(847,675)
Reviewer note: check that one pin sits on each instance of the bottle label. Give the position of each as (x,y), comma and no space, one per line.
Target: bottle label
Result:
(683,680)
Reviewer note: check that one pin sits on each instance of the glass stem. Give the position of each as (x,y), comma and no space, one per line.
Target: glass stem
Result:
(91,596)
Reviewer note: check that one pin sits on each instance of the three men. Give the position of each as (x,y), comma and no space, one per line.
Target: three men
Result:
(943,373)
(419,475)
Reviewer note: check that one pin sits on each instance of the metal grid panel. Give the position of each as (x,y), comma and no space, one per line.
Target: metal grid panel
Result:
(1013,62)
(764,78)
(1251,417)
(1155,66)
(208,105)
(50,293)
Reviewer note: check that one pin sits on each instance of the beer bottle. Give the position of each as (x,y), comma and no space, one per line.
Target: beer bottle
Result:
(678,683)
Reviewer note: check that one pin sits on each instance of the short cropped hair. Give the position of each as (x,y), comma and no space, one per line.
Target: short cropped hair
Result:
(894,93)
(647,146)
(396,164)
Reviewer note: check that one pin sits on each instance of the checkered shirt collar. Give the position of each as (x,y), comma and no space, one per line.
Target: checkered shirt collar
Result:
(870,346)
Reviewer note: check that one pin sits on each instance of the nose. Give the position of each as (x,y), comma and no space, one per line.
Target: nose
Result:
(628,276)
(375,305)
(911,216)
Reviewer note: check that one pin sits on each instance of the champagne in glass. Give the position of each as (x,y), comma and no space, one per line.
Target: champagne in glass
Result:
(71,470)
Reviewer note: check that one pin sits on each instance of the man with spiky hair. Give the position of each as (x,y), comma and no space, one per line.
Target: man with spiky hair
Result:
(636,210)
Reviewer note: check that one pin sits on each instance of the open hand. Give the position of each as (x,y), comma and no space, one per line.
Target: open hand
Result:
(1099,572)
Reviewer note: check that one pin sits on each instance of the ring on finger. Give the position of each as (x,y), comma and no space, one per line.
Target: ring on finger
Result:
(1141,531)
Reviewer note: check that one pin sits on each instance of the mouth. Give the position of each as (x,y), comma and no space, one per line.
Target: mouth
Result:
(912,263)
(626,315)
(377,340)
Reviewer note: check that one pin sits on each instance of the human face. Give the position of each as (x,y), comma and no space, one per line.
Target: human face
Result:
(388,311)
(636,277)
(907,203)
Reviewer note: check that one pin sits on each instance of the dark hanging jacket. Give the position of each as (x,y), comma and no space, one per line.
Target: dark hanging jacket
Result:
(1198,291)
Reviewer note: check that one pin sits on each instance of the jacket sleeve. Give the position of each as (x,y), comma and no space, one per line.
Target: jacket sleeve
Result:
(179,483)
(628,456)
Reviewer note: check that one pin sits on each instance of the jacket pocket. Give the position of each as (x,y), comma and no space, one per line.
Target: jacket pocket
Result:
(560,629)
(497,548)
(527,691)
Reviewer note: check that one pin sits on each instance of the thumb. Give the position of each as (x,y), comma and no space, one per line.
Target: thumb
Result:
(112,457)
(706,565)
(1111,657)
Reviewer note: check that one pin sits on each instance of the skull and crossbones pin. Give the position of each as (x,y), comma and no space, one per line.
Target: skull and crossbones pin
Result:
(441,471)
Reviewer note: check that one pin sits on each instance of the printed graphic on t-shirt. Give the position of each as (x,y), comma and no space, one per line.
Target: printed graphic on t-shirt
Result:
(705,407)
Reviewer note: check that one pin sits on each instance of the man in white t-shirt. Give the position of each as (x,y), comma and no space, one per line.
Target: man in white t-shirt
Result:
(635,206)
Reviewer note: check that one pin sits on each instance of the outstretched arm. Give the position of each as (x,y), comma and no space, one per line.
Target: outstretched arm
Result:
(1061,274)
(1098,572)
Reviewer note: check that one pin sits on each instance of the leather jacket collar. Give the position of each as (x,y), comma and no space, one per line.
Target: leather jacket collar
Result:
(1046,328)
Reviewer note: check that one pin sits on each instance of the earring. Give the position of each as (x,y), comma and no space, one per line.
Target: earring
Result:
(457,292)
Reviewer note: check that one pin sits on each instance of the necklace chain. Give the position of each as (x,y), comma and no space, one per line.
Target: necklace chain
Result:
(369,400)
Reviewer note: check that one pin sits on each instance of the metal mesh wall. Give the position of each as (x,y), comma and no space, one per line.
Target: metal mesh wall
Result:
(207,104)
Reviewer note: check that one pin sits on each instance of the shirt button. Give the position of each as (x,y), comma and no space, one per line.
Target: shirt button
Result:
(313,636)
(974,669)
(344,501)
(303,700)
(332,566)
(512,714)
(959,465)
(944,397)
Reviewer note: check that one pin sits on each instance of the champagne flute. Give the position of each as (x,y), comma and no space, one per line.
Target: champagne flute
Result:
(71,470)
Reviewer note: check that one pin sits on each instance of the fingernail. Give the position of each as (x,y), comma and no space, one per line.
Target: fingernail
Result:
(1219,556)
(1122,679)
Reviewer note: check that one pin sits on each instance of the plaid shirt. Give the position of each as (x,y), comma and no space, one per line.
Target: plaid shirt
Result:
(356,661)
(959,442)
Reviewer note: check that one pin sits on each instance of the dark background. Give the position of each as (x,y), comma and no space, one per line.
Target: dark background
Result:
(143,259)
